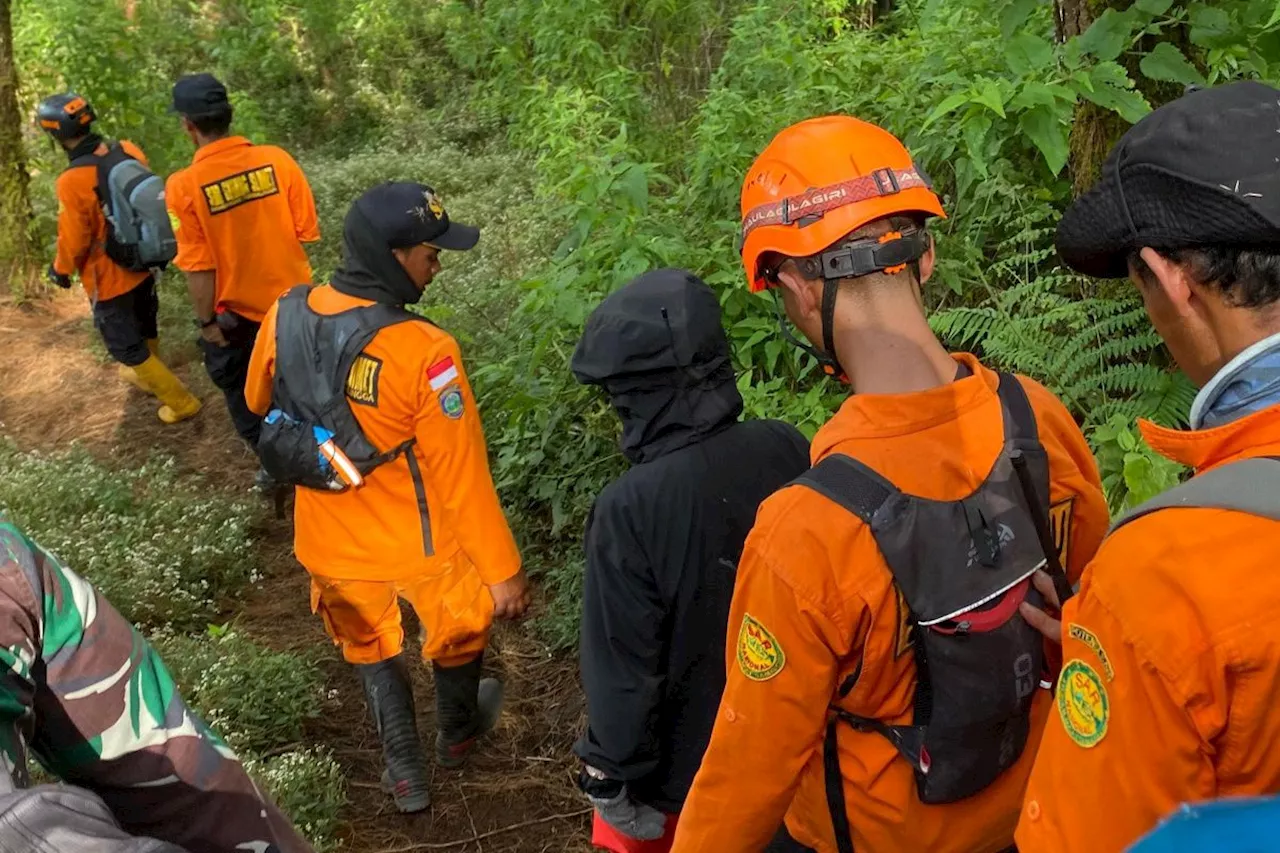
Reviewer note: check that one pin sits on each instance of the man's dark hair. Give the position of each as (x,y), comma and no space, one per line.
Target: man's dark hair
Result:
(1246,278)
(216,123)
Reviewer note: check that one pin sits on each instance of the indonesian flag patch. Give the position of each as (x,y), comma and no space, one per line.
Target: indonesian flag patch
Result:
(442,373)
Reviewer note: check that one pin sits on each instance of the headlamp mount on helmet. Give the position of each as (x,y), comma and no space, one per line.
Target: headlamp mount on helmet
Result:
(889,253)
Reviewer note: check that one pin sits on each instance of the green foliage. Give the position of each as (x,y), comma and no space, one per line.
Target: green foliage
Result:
(259,701)
(256,699)
(595,139)
(158,546)
(1131,471)
(310,787)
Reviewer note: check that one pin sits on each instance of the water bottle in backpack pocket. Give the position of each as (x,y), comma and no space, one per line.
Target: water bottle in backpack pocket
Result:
(303,454)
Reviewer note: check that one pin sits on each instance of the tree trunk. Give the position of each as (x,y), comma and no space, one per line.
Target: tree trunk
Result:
(1095,130)
(15,201)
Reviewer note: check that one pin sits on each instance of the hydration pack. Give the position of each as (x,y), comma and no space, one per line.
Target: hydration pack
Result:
(962,567)
(139,234)
(309,406)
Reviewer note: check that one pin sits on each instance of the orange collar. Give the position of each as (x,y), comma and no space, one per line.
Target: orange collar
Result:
(885,415)
(1255,435)
(219,146)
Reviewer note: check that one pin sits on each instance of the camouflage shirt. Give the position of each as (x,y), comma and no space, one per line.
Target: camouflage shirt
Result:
(89,697)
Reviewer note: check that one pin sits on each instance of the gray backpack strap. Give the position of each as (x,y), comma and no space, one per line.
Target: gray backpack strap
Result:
(1250,485)
(850,484)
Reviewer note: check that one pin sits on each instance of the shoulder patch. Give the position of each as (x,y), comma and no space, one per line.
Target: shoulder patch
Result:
(1084,635)
(174,222)
(760,657)
(234,190)
(362,381)
(1060,515)
(1083,704)
(442,373)
(451,402)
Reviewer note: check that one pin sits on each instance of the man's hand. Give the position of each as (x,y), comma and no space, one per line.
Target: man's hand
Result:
(213,334)
(55,277)
(1042,620)
(511,597)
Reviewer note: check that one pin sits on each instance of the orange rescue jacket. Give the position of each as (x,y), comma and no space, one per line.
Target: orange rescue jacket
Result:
(1171,669)
(419,510)
(82,233)
(243,210)
(814,589)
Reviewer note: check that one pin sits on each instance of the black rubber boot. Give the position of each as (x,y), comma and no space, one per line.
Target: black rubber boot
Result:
(390,694)
(467,706)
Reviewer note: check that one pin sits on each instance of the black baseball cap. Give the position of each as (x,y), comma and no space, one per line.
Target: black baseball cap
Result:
(199,95)
(1203,170)
(407,214)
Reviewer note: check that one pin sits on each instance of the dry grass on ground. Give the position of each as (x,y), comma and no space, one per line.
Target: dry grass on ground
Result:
(515,796)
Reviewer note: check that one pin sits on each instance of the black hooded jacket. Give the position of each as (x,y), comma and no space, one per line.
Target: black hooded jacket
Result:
(663,541)
(369,269)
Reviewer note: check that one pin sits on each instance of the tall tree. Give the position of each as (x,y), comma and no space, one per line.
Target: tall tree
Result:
(15,200)
(1096,130)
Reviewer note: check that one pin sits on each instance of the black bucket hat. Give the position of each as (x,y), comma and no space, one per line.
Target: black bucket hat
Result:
(1203,170)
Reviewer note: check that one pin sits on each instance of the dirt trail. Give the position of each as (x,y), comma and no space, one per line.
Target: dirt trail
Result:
(516,794)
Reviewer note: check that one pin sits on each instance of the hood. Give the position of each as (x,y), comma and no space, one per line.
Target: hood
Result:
(369,270)
(658,350)
(87,146)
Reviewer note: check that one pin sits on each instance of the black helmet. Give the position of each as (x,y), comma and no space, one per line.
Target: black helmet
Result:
(65,116)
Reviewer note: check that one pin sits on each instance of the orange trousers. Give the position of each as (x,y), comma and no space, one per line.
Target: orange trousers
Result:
(363,617)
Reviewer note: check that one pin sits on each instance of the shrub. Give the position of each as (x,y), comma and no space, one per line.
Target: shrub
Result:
(255,698)
(160,548)
(309,786)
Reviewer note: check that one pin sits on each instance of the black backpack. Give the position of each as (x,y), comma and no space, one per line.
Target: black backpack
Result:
(139,233)
(962,568)
(314,357)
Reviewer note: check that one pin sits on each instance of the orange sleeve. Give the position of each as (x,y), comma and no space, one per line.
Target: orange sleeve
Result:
(451,443)
(1123,731)
(75,223)
(302,204)
(194,252)
(262,364)
(782,659)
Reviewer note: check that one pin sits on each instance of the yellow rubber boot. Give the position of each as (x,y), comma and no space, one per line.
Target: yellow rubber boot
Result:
(130,375)
(179,403)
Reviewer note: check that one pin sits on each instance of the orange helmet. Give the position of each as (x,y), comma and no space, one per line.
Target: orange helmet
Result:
(821,179)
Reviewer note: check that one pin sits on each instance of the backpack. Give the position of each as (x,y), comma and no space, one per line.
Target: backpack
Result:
(978,661)
(139,233)
(309,406)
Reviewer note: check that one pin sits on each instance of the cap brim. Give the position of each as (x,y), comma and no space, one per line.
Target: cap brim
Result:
(1094,237)
(457,237)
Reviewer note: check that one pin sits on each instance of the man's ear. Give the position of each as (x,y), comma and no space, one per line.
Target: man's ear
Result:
(806,295)
(927,261)
(1171,280)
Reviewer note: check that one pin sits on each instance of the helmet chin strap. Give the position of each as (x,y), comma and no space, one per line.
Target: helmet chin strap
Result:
(826,360)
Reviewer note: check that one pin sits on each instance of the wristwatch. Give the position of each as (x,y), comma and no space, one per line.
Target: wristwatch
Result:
(213,321)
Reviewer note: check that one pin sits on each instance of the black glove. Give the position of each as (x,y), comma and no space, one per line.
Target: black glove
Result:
(55,277)
(615,806)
